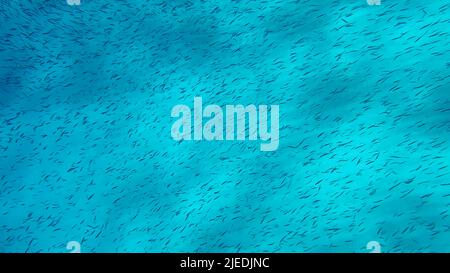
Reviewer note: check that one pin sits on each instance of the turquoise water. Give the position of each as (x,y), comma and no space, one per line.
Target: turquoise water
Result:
(86,153)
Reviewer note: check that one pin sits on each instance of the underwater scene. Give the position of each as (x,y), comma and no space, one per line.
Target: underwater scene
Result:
(107,113)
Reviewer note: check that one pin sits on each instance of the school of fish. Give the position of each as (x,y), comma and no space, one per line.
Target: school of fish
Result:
(86,153)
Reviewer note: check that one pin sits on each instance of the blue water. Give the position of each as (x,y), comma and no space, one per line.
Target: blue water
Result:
(86,153)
